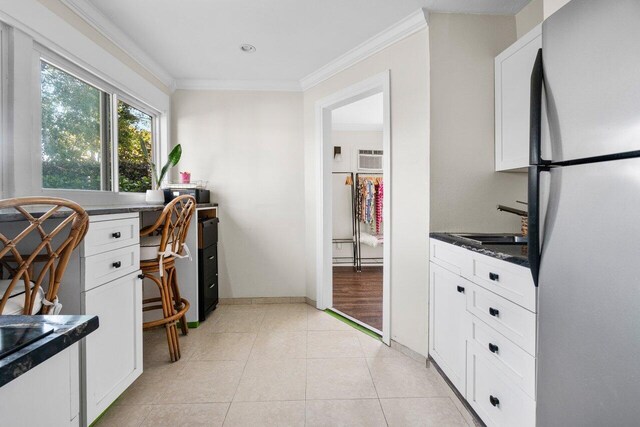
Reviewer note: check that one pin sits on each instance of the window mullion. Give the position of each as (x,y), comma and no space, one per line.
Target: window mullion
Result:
(115,178)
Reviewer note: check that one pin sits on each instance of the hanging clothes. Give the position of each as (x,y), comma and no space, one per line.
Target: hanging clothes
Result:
(379,198)
(369,210)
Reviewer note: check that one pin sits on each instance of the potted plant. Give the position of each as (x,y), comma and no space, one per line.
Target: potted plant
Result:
(156,196)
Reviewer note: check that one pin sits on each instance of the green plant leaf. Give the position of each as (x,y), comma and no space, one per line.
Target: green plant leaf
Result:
(175,154)
(174,158)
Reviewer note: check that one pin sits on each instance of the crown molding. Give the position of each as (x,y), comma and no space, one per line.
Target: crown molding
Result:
(104,26)
(398,31)
(249,85)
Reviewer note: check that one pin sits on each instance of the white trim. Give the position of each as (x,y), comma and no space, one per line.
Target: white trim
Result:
(104,26)
(409,25)
(358,127)
(324,156)
(254,85)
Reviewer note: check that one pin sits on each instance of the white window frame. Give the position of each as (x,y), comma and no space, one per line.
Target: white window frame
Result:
(6,163)
(42,53)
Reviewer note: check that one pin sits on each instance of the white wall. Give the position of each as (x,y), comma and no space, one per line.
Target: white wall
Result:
(464,187)
(530,16)
(248,145)
(350,141)
(408,62)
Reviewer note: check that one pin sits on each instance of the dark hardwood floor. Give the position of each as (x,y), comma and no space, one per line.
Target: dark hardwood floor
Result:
(359,294)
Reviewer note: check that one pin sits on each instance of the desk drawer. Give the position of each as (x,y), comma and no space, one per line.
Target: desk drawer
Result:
(108,235)
(511,320)
(108,266)
(518,365)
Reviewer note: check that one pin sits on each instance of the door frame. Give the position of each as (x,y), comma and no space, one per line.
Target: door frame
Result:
(379,83)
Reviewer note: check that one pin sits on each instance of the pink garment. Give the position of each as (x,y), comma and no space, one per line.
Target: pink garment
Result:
(379,198)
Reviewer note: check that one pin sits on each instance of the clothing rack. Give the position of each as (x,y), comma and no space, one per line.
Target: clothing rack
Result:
(359,257)
(352,240)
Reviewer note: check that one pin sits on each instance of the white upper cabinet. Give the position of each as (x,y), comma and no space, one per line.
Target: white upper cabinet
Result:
(513,80)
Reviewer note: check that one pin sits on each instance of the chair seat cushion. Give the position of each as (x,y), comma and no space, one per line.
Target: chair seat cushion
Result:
(15,303)
(149,247)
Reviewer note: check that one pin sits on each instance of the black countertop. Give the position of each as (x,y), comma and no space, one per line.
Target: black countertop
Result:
(515,254)
(11,215)
(66,331)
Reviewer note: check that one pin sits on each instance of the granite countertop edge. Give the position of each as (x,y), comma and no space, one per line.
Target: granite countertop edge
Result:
(67,331)
(521,260)
(10,215)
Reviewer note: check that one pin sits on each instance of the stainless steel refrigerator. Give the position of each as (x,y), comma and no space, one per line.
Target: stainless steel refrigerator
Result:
(584,210)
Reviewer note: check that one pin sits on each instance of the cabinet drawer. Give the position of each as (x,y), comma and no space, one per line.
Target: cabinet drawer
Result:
(108,235)
(453,258)
(505,279)
(518,365)
(108,266)
(210,261)
(497,400)
(511,320)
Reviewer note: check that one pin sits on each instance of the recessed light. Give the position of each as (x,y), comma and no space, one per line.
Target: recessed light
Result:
(247,48)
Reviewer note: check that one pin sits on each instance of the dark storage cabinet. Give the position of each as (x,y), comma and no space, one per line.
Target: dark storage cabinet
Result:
(207,266)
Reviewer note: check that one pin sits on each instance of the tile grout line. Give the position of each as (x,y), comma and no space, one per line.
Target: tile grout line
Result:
(246,362)
(366,362)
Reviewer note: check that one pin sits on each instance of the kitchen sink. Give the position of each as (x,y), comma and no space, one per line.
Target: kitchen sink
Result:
(494,239)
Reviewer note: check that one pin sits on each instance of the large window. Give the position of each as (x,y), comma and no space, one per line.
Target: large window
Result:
(75,142)
(82,149)
(134,129)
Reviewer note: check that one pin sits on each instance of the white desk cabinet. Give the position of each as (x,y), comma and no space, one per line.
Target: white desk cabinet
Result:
(512,98)
(102,279)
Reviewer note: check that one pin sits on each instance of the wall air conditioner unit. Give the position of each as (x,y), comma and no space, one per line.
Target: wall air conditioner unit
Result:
(370,160)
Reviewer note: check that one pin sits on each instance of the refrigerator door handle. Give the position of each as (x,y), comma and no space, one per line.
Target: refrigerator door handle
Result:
(535,126)
(533,235)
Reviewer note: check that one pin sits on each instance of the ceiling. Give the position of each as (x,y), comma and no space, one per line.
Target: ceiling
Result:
(365,114)
(200,39)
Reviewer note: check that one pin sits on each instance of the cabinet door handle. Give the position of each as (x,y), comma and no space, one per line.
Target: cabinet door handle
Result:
(116,235)
(494,276)
(493,348)
(117,264)
(140,276)
(211,286)
(494,400)
(494,312)
(211,257)
(461,289)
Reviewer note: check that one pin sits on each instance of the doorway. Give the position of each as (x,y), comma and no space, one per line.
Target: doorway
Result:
(354,194)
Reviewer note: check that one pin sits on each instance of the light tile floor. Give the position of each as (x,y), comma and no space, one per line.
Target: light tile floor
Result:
(282,365)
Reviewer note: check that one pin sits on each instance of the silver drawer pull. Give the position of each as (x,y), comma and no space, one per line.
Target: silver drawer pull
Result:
(211,257)
(211,286)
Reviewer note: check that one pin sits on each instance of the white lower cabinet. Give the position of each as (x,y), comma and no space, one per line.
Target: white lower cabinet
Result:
(447,324)
(493,395)
(483,336)
(45,395)
(113,353)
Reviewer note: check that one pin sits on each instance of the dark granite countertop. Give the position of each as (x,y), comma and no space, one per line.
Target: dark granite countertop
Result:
(10,215)
(66,331)
(515,254)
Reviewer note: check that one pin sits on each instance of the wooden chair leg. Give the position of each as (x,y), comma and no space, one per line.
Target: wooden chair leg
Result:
(177,300)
